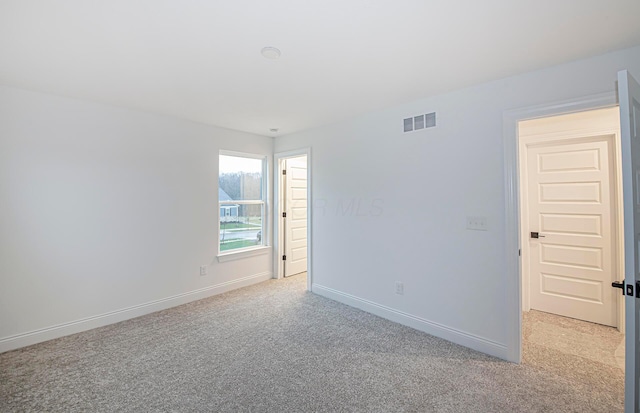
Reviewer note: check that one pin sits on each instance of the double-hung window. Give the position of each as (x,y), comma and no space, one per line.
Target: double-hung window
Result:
(241,195)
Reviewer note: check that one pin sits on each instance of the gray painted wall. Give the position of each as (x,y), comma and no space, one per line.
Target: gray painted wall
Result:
(410,194)
(106,214)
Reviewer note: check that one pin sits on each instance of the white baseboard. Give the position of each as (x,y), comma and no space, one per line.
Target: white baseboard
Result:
(450,334)
(65,329)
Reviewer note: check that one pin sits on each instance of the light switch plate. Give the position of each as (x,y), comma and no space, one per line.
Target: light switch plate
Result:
(477,223)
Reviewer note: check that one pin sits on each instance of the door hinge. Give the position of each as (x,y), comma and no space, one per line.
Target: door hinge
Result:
(284,215)
(284,258)
(519,252)
(284,172)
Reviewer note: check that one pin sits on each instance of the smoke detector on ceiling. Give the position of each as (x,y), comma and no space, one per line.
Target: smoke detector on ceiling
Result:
(270,52)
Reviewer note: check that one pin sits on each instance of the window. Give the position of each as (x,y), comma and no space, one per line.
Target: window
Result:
(241,194)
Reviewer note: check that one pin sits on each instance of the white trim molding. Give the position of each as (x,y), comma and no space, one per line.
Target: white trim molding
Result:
(77,326)
(240,254)
(435,329)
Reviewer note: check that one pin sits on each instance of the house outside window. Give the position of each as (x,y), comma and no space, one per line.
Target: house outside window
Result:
(241,196)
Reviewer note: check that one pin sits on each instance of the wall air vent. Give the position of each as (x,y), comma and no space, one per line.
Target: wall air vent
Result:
(420,122)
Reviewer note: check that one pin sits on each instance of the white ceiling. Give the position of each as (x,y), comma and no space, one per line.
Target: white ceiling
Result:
(200,59)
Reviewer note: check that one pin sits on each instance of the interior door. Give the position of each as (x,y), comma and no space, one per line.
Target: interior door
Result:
(629,95)
(570,218)
(295,222)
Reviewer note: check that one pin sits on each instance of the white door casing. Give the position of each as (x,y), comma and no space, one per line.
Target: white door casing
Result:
(568,193)
(629,95)
(295,223)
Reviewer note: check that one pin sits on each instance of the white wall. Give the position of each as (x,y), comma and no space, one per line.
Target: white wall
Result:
(415,191)
(106,214)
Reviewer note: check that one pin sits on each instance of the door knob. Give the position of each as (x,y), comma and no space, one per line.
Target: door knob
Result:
(618,284)
(536,235)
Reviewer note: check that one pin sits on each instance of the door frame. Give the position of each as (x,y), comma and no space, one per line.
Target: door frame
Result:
(616,203)
(278,230)
(513,282)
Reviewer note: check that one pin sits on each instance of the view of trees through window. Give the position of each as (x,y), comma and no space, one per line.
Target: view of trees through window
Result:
(241,186)
(240,191)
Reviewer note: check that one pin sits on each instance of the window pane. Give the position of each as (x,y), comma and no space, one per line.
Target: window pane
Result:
(240,226)
(241,223)
(240,179)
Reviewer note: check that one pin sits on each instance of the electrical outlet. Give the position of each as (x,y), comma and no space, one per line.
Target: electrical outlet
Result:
(477,223)
(399,288)
(203,270)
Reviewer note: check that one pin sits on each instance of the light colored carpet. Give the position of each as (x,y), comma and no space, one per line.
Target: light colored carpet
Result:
(577,350)
(275,348)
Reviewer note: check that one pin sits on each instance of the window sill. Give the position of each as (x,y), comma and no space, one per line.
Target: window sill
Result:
(238,255)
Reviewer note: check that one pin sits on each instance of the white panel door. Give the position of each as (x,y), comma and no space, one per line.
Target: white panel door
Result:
(570,207)
(296,219)
(629,95)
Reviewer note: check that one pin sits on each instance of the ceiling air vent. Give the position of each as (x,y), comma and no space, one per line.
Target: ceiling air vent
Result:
(420,122)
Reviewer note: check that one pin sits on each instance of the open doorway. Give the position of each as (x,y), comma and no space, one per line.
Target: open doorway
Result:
(571,235)
(571,215)
(293,215)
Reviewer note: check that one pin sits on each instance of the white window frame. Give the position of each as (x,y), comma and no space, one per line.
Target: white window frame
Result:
(264,248)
